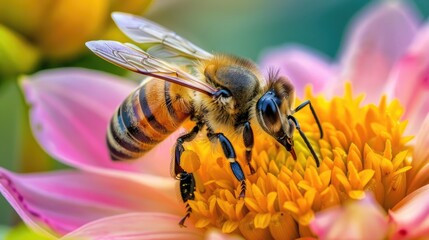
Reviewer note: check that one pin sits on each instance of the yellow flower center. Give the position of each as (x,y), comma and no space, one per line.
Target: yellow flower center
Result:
(363,150)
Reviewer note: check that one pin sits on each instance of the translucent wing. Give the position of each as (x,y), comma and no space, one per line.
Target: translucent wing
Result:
(170,55)
(132,58)
(167,43)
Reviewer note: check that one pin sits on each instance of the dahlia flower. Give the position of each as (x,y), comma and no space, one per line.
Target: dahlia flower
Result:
(371,183)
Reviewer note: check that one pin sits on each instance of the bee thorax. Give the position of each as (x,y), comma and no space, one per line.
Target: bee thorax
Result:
(241,82)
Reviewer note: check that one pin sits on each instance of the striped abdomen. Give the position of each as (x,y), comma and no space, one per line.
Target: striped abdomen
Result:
(147,117)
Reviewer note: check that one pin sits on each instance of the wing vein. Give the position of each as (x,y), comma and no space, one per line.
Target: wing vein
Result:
(132,58)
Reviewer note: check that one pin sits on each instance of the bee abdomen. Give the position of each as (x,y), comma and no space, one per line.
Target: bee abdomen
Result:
(144,119)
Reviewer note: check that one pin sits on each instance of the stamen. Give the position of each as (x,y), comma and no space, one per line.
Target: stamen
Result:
(363,149)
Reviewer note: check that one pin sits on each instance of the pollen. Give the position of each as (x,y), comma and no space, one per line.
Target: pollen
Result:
(363,151)
(190,161)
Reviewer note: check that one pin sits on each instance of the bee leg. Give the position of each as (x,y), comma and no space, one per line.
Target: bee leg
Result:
(187,188)
(248,143)
(229,152)
(178,170)
(187,180)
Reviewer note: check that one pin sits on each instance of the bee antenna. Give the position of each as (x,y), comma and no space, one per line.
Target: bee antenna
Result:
(305,103)
(298,127)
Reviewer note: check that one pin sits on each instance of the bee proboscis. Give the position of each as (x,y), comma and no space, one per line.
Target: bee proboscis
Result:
(223,95)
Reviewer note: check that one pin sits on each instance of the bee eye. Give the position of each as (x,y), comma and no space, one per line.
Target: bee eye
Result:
(268,114)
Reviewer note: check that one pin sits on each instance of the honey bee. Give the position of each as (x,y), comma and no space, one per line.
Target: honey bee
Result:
(223,95)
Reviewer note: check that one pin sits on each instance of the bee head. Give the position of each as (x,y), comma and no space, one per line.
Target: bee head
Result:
(273,110)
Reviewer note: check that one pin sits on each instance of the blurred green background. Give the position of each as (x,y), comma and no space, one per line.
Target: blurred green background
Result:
(240,27)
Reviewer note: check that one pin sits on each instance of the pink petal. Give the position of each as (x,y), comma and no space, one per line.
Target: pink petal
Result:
(70,111)
(419,174)
(379,36)
(150,225)
(301,66)
(362,219)
(411,80)
(214,234)
(64,201)
(410,217)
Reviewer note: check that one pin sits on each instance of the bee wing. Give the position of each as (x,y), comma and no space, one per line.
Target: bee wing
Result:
(167,43)
(132,58)
(170,56)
